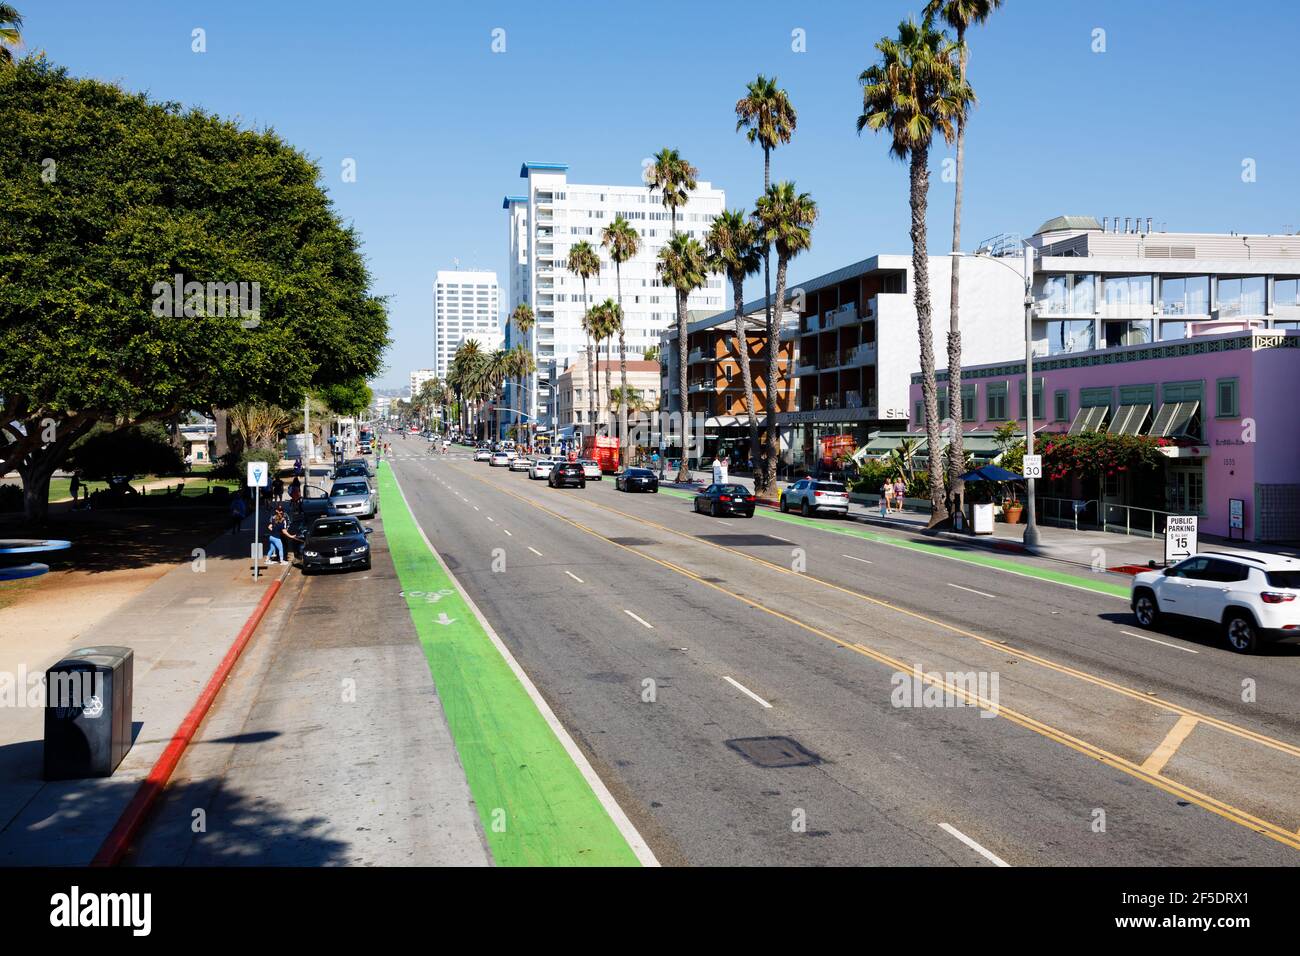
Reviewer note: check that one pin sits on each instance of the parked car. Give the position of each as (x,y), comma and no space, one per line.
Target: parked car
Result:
(637,479)
(591,468)
(567,473)
(336,542)
(810,495)
(1254,597)
(314,502)
(500,460)
(719,500)
(354,496)
(541,468)
(519,463)
(353,470)
(483,454)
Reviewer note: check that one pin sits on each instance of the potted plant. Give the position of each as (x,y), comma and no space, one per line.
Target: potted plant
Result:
(1011,508)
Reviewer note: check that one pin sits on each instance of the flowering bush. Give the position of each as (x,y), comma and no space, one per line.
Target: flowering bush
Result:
(1098,454)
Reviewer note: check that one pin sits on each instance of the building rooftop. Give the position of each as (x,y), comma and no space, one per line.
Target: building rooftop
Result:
(1063,223)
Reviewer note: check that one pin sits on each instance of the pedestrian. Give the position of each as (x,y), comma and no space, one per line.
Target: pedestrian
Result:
(297,467)
(295,490)
(238,511)
(277,489)
(886,497)
(900,492)
(275,542)
(719,471)
(74,486)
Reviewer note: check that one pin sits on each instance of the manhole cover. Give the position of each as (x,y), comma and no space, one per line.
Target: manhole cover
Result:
(746,540)
(633,542)
(773,752)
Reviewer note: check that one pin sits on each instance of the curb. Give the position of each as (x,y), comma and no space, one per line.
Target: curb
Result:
(131,821)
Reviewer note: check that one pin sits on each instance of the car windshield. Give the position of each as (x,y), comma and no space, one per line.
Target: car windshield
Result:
(1284,579)
(638,473)
(335,529)
(545,461)
(588,461)
(732,490)
(351,488)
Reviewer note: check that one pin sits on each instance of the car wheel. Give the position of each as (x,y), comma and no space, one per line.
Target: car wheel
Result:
(654,490)
(785,509)
(366,566)
(1242,635)
(1146,610)
(804,509)
(713,509)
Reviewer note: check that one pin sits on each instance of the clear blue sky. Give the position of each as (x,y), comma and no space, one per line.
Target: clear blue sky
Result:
(1157,125)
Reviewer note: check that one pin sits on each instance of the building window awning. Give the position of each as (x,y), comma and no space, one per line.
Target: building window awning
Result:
(1129,420)
(1088,419)
(731,421)
(1173,418)
(885,442)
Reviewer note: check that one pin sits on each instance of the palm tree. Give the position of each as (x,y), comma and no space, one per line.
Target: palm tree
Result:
(623,243)
(784,219)
(464,375)
(605,319)
(768,116)
(519,364)
(960,15)
(652,353)
(496,372)
(584,262)
(11,22)
(674,177)
(733,248)
(684,265)
(914,91)
(524,321)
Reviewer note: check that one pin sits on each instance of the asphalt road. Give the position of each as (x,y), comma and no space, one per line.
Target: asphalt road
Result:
(740,687)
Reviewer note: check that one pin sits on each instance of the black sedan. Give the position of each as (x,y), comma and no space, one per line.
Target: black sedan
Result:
(567,473)
(718,500)
(637,479)
(337,542)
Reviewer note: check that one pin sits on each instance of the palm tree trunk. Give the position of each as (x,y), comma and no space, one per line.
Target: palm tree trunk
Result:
(622,372)
(956,446)
(591,363)
(746,379)
(773,348)
(920,185)
(683,473)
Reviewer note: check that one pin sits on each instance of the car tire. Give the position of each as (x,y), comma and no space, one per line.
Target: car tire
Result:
(713,509)
(785,509)
(1241,633)
(654,490)
(1146,609)
(804,509)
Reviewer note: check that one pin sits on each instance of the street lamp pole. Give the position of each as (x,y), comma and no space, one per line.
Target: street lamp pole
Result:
(1031,525)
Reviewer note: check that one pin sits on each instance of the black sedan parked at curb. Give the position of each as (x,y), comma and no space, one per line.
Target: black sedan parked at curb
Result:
(337,542)
(718,500)
(567,473)
(637,479)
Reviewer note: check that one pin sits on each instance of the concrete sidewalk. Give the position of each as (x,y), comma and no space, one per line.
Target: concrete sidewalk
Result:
(179,627)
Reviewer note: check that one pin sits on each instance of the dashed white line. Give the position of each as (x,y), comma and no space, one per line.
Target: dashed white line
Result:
(1161,643)
(854,557)
(987,854)
(971,590)
(747,692)
(476,507)
(492,519)
(639,620)
(575,577)
(507,531)
(535,551)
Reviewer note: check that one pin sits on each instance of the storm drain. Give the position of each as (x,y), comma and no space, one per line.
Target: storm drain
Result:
(773,752)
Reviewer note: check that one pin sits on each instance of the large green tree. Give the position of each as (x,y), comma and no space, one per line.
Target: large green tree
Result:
(108,197)
(914,92)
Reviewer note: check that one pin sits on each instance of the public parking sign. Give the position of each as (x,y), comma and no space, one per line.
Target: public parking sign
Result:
(258,474)
(1180,537)
(1032,466)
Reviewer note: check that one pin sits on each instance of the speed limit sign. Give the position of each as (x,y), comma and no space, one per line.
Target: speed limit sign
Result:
(1032,467)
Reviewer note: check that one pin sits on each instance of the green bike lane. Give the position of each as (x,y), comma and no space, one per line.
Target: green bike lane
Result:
(539,802)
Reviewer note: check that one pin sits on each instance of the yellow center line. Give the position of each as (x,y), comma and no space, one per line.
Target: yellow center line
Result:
(1203,800)
(1169,746)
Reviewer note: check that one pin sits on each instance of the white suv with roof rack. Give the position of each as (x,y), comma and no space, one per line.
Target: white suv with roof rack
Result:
(1252,595)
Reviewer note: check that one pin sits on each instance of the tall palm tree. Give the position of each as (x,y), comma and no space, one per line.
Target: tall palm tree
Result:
(913,92)
(674,177)
(606,319)
(524,321)
(519,364)
(11,22)
(496,373)
(784,218)
(464,376)
(960,15)
(623,244)
(734,249)
(768,116)
(584,262)
(684,265)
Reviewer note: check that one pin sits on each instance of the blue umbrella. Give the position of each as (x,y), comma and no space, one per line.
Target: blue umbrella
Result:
(991,473)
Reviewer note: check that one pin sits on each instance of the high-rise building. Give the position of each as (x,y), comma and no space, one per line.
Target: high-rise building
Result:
(466,305)
(418,378)
(553,215)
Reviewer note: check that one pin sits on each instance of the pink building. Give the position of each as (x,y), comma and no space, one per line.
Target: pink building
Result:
(1230,402)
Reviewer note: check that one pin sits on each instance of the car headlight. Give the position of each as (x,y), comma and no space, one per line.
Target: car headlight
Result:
(361,550)
(312,554)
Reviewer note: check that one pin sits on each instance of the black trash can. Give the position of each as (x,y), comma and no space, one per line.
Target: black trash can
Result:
(88,713)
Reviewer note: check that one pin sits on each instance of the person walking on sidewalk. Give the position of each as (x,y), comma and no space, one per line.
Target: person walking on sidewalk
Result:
(238,512)
(719,471)
(900,492)
(275,543)
(886,498)
(277,489)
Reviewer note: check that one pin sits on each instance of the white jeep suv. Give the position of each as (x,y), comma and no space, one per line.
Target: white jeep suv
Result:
(1253,596)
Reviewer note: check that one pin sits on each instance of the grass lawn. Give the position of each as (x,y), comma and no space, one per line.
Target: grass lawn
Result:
(59,487)
(11,591)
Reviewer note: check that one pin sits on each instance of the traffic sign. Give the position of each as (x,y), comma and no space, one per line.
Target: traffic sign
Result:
(1032,467)
(258,474)
(1180,537)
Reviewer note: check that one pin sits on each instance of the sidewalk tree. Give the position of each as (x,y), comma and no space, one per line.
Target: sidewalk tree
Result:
(605,320)
(131,452)
(915,91)
(623,243)
(683,265)
(784,218)
(734,250)
(960,15)
(108,197)
(348,399)
(584,262)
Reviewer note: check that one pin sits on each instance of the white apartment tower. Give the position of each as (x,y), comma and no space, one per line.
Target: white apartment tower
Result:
(466,305)
(553,215)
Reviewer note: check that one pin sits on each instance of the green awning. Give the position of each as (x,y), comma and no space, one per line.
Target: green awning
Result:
(885,442)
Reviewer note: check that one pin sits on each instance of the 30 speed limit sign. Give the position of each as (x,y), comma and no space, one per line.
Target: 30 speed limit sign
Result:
(1032,467)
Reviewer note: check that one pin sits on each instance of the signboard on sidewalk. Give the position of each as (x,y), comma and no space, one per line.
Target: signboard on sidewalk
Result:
(1180,537)
(1032,467)
(258,474)
(1236,518)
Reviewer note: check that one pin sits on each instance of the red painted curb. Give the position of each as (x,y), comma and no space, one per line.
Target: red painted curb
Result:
(137,811)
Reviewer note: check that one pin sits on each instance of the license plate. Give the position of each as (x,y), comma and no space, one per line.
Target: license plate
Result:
(336,560)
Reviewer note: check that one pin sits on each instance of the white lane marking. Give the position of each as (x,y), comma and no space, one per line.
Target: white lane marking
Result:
(1162,643)
(639,619)
(625,826)
(575,577)
(852,557)
(535,551)
(987,854)
(747,692)
(492,519)
(507,531)
(475,507)
(971,590)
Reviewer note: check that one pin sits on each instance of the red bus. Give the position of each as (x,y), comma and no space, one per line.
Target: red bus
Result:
(602,449)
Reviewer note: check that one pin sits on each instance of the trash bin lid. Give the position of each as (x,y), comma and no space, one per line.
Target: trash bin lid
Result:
(105,655)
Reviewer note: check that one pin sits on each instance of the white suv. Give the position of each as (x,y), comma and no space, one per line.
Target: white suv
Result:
(1253,596)
(809,495)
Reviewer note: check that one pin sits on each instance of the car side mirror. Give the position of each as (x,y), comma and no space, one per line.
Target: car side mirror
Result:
(1169,573)
(370,531)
